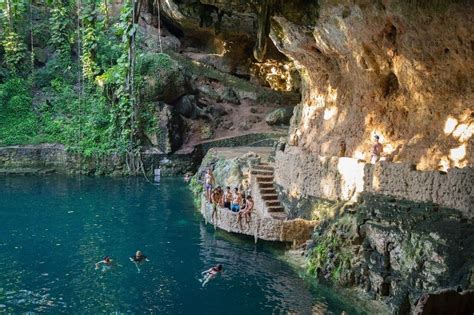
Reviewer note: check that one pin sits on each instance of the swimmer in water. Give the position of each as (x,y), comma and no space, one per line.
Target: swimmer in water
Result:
(211,273)
(138,258)
(186,178)
(106,262)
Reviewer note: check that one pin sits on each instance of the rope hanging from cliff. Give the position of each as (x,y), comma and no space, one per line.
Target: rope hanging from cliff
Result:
(159,25)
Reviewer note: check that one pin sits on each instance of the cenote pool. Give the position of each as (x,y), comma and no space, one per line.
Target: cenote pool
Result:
(53,229)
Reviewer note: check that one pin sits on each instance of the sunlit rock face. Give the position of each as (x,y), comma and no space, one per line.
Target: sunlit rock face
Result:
(400,71)
(232,36)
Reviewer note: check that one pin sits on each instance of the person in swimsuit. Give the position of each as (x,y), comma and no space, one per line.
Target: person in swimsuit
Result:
(236,200)
(243,199)
(227,198)
(216,197)
(377,149)
(106,262)
(209,181)
(247,211)
(138,258)
(211,273)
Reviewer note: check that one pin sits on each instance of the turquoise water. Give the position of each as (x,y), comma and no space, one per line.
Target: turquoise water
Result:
(53,229)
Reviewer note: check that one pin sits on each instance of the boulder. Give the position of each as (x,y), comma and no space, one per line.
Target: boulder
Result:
(279,116)
(230,96)
(162,78)
(152,39)
(209,91)
(186,106)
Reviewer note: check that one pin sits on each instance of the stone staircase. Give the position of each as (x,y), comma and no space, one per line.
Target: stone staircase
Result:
(263,174)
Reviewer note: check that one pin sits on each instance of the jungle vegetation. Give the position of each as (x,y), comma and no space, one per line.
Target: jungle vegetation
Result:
(67,75)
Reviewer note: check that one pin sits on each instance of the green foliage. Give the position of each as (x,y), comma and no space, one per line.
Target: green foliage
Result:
(197,189)
(84,97)
(53,70)
(80,123)
(62,34)
(89,39)
(332,249)
(15,50)
(11,22)
(18,122)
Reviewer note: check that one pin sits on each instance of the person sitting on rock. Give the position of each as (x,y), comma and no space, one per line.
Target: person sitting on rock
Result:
(246,187)
(243,199)
(247,211)
(209,182)
(377,150)
(236,200)
(227,198)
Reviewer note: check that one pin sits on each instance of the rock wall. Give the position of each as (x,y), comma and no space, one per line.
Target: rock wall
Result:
(402,253)
(46,158)
(399,69)
(51,156)
(303,174)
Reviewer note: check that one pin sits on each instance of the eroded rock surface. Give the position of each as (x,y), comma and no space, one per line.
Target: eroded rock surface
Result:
(397,69)
(397,252)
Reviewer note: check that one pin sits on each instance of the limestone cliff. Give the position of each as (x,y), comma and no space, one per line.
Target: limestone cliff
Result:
(402,71)
(399,69)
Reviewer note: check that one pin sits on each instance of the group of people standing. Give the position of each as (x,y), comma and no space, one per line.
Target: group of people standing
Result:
(238,201)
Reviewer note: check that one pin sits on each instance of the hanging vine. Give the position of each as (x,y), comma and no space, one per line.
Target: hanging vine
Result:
(61,29)
(89,38)
(11,17)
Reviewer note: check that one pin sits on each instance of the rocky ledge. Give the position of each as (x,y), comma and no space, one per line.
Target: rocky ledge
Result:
(259,226)
(233,166)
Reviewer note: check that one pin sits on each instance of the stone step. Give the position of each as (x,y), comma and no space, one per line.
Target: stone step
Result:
(278,215)
(264,178)
(264,167)
(265,185)
(270,197)
(275,209)
(261,172)
(268,191)
(271,203)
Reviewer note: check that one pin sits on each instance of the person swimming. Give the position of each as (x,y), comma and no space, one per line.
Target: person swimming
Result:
(211,273)
(106,263)
(187,178)
(138,258)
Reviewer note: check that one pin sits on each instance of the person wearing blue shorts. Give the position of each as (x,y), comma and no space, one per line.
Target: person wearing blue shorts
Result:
(236,200)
